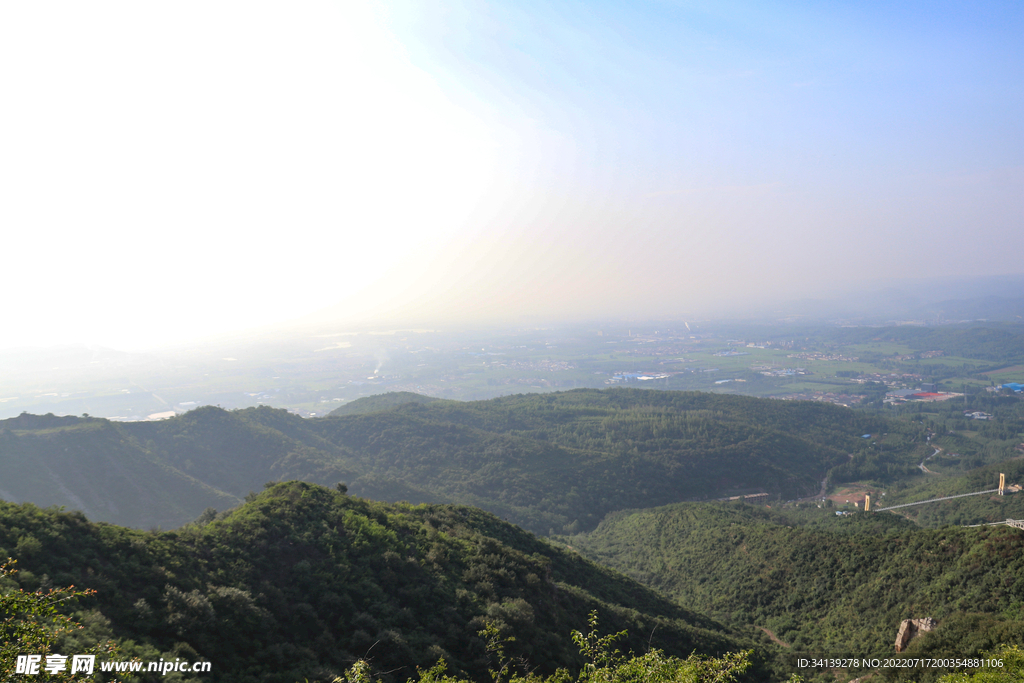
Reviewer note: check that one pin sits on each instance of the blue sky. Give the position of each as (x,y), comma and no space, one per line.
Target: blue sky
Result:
(203,167)
(759,88)
(820,145)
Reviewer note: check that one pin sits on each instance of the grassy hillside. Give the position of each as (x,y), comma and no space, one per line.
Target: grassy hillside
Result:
(303,580)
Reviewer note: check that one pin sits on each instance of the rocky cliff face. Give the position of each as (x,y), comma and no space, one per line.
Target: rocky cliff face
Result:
(910,628)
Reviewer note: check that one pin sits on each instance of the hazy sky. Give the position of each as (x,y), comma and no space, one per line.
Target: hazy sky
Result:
(177,169)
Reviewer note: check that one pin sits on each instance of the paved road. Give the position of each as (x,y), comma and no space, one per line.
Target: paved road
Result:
(925,469)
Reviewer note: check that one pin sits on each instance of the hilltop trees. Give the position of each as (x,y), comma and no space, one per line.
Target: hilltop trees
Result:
(303,580)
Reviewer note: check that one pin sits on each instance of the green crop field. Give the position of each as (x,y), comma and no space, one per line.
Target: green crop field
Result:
(884,348)
(1014,373)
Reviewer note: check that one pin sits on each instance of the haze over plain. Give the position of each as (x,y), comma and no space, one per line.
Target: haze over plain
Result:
(170,172)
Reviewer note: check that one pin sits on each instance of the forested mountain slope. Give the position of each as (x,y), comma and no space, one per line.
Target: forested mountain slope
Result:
(302,580)
(552,463)
(98,467)
(823,583)
(565,460)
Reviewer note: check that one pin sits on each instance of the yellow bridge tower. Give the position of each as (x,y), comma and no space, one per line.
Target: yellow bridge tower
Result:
(1002,484)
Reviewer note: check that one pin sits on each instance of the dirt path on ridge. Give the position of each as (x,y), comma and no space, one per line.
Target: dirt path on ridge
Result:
(774,638)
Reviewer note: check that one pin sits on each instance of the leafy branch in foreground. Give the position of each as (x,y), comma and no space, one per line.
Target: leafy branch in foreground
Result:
(610,666)
(597,649)
(605,665)
(495,645)
(31,623)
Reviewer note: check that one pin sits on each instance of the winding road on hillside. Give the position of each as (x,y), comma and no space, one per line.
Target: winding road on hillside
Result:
(922,466)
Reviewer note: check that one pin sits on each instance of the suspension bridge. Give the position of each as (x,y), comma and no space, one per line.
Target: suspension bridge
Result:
(935,500)
(1001,490)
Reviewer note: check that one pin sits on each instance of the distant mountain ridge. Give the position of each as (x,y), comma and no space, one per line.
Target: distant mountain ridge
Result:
(378,402)
(552,463)
(935,299)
